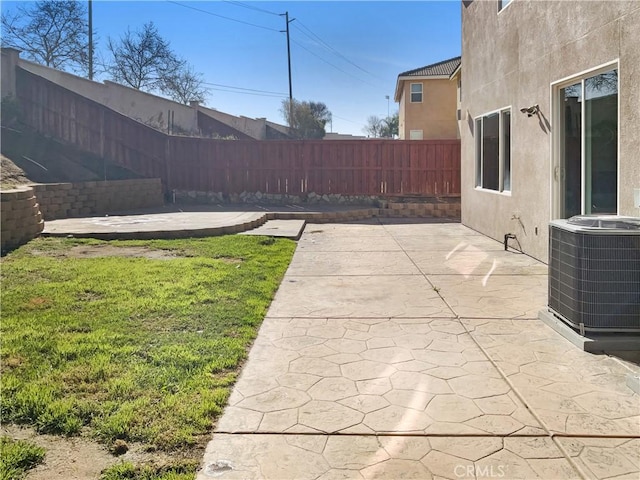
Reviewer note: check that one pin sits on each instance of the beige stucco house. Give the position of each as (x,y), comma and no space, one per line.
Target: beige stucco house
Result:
(427,99)
(550,114)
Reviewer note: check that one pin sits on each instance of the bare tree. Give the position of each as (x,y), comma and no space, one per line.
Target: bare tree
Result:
(374,126)
(143,59)
(185,86)
(53,33)
(309,118)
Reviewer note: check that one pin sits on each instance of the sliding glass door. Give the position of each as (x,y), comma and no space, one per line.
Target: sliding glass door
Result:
(587,167)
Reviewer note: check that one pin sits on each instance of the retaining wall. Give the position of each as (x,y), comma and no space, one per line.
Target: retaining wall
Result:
(63,200)
(420,207)
(199,198)
(20,217)
(436,209)
(24,209)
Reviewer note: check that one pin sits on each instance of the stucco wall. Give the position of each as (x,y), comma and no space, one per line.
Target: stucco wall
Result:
(255,128)
(9,61)
(511,58)
(435,116)
(144,107)
(149,109)
(402,111)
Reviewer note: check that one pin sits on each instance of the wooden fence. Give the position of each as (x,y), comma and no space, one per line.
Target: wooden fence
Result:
(347,167)
(89,126)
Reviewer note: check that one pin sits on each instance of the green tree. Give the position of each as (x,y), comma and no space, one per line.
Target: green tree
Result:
(390,126)
(309,118)
(53,33)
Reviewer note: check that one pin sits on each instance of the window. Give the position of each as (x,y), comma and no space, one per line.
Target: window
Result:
(493,150)
(503,3)
(586,165)
(415,134)
(416,93)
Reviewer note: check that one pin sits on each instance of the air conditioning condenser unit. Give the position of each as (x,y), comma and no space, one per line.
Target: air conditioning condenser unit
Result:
(594,273)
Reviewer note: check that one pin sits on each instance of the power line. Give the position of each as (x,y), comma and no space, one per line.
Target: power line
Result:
(346,119)
(247,93)
(242,88)
(310,34)
(250,7)
(334,66)
(329,47)
(222,16)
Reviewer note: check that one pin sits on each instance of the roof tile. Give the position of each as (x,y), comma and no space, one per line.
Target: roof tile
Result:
(445,67)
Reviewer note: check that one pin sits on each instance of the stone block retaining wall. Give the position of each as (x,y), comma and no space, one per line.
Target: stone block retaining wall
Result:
(422,210)
(20,217)
(200,198)
(64,200)
(416,207)
(24,209)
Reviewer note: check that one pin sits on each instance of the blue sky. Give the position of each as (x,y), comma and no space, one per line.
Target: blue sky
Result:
(371,43)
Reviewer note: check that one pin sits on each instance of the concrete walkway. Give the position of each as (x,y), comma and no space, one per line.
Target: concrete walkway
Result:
(413,350)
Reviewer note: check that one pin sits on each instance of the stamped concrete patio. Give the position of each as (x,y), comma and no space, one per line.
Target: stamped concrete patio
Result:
(413,350)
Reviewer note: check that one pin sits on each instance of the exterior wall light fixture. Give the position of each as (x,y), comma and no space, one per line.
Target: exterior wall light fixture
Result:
(531,111)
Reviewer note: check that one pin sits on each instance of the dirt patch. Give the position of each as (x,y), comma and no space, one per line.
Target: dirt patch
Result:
(78,458)
(12,175)
(96,251)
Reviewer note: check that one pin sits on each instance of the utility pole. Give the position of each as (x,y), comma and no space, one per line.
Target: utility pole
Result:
(90,39)
(286,16)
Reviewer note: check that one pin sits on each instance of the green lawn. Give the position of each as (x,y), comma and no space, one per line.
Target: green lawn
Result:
(137,349)
(16,457)
(128,471)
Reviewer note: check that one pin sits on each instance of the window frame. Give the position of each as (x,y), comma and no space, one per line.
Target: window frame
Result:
(555,172)
(411,92)
(479,163)
(415,131)
(505,154)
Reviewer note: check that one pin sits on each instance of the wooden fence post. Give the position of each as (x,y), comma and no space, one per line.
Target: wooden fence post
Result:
(167,163)
(101,144)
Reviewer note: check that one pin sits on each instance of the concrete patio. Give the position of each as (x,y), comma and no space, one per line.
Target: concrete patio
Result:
(185,221)
(413,350)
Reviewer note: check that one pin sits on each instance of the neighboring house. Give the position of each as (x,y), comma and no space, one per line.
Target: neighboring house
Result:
(456,78)
(550,114)
(427,99)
